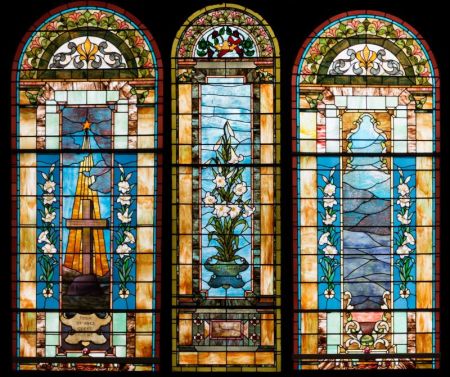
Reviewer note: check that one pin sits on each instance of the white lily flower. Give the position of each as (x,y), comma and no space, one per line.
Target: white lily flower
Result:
(219,180)
(49,198)
(48,216)
(43,237)
(324,239)
(248,211)
(403,251)
(124,186)
(235,210)
(404,202)
(328,220)
(405,220)
(329,201)
(330,251)
(235,158)
(124,293)
(49,249)
(217,145)
(240,189)
(129,237)
(123,250)
(49,186)
(329,189)
(209,199)
(404,293)
(124,200)
(221,210)
(229,129)
(47,292)
(328,293)
(403,189)
(409,239)
(124,217)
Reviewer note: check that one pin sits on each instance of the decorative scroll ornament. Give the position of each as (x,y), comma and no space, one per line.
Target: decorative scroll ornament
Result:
(87,53)
(226,42)
(366,59)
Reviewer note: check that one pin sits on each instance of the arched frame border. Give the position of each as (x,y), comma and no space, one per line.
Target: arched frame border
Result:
(15,123)
(295,105)
(276,127)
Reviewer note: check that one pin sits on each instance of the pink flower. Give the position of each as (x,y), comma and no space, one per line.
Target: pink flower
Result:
(122,24)
(201,21)
(399,33)
(216,14)
(36,43)
(268,48)
(26,65)
(331,33)
(189,33)
(51,25)
(353,24)
(417,51)
(235,14)
(99,15)
(425,72)
(139,42)
(314,50)
(147,64)
(75,16)
(249,21)
(182,51)
(378,24)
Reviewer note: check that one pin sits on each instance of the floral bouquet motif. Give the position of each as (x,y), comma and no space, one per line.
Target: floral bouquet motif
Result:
(48,237)
(124,236)
(230,213)
(404,239)
(329,237)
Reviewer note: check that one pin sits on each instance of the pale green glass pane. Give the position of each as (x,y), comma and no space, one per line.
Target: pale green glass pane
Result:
(333,329)
(77,97)
(61,96)
(96,97)
(50,351)
(112,95)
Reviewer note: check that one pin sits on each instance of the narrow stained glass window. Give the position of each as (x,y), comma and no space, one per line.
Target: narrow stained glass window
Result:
(87,142)
(366,197)
(225,176)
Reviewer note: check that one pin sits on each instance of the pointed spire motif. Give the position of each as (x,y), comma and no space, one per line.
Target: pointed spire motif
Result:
(74,252)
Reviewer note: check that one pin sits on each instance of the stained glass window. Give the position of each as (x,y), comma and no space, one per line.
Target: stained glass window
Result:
(225,177)
(366,197)
(87,142)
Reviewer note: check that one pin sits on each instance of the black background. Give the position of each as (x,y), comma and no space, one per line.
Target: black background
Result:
(292,22)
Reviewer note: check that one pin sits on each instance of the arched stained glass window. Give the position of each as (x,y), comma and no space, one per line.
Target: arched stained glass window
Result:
(225,176)
(87,141)
(366,196)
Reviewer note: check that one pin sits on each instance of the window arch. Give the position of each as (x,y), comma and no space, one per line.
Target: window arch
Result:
(366,198)
(225,172)
(86,232)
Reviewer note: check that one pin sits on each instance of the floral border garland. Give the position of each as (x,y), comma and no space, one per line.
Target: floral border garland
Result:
(370,27)
(125,234)
(48,236)
(329,236)
(225,17)
(404,239)
(82,19)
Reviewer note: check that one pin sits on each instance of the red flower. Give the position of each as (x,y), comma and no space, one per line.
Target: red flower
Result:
(306,71)
(75,16)
(201,21)
(216,14)
(425,72)
(249,21)
(139,42)
(353,24)
(35,43)
(51,25)
(399,33)
(99,15)
(314,50)
(331,32)
(147,64)
(26,65)
(182,51)
(378,24)
(417,51)
(122,24)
